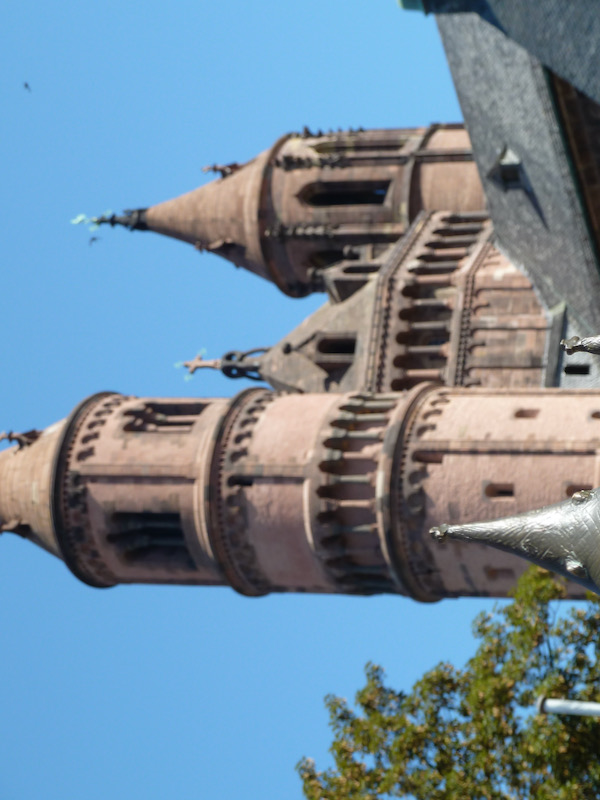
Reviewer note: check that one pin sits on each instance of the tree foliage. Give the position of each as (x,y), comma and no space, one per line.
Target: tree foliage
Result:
(474,732)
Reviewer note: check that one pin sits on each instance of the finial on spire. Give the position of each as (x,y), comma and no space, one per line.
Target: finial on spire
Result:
(22,439)
(198,362)
(223,169)
(589,344)
(134,219)
(564,538)
(234,364)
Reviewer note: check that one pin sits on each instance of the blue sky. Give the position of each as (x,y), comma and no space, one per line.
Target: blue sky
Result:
(160,692)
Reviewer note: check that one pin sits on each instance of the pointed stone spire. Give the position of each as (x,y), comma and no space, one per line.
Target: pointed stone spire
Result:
(314,199)
(564,538)
(26,486)
(220,217)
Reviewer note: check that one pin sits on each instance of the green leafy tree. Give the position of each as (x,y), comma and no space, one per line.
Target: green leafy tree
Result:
(473,733)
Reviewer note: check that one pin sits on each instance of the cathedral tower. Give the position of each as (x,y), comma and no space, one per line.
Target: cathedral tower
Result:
(300,492)
(314,199)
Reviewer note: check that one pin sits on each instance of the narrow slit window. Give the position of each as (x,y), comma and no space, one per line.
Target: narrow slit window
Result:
(577,369)
(163,417)
(527,413)
(500,490)
(353,145)
(346,193)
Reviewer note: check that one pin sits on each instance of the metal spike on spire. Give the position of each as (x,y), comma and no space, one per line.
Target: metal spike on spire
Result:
(22,439)
(589,344)
(133,219)
(564,538)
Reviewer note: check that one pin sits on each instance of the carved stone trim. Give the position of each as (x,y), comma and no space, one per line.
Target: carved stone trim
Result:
(228,529)
(347,535)
(415,300)
(407,499)
(70,513)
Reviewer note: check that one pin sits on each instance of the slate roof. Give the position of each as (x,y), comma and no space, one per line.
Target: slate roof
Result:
(564,35)
(534,197)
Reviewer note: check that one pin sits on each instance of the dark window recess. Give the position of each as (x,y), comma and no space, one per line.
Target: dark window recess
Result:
(577,369)
(335,354)
(343,344)
(346,193)
(325,258)
(425,310)
(354,145)
(427,457)
(527,413)
(169,417)
(500,490)
(152,539)
(361,269)
(240,480)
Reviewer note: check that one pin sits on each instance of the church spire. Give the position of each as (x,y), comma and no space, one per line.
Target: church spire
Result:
(314,199)
(26,485)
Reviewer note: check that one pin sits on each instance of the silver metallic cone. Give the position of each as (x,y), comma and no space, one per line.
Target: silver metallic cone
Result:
(564,538)
(589,344)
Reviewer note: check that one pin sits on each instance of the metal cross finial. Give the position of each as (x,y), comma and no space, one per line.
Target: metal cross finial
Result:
(234,364)
(202,363)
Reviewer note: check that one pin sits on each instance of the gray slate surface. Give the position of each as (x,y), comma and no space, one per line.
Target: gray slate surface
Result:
(563,34)
(507,104)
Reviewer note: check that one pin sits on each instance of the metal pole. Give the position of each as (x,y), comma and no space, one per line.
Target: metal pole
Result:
(547,705)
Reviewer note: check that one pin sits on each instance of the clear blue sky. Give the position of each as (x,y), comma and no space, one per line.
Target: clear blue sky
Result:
(175,692)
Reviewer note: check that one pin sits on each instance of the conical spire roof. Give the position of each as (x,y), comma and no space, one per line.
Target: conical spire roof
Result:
(26,486)
(564,538)
(220,217)
(314,200)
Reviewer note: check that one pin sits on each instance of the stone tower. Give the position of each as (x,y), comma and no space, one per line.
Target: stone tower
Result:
(420,394)
(313,200)
(271,492)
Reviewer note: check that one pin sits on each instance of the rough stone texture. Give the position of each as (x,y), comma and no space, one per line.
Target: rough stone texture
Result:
(300,492)
(26,488)
(313,200)
(442,304)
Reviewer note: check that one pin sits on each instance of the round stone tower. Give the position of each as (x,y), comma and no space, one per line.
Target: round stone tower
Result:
(298,492)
